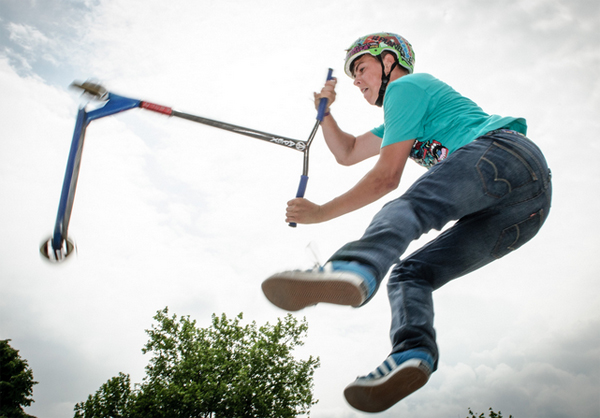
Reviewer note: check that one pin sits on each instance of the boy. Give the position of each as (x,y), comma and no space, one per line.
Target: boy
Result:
(482,172)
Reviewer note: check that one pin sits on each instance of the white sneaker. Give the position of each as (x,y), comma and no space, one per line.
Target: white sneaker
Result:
(397,377)
(337,282)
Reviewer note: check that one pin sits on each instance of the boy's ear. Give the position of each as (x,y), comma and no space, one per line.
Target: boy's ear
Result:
(388,61)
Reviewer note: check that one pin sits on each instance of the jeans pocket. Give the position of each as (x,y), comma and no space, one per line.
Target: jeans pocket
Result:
(518,234)
(503,170)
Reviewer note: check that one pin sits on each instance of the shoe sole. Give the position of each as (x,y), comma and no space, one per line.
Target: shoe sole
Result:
(296,290)
(378,395)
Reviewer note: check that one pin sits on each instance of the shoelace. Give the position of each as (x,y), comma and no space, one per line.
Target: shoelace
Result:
(313,253)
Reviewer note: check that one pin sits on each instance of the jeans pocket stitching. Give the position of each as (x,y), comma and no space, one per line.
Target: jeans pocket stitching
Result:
(496,178)
(518,157)
(501,248)
(482,177)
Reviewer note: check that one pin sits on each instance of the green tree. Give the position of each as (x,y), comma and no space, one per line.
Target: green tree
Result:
(225,370)
(113,399)
(16,382)
(492,414)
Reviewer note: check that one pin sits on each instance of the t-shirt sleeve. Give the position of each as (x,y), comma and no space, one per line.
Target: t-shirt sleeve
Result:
(378,131)
(404,109)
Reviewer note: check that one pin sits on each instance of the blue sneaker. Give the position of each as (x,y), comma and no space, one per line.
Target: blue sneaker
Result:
(338,282)
(398,376)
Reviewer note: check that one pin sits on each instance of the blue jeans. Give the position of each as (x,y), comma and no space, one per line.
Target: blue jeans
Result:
(498,190)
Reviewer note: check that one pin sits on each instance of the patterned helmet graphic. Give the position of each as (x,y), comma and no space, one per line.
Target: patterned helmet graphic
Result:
(375,44)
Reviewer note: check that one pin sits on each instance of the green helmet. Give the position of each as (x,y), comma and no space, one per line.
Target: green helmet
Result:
(375,44)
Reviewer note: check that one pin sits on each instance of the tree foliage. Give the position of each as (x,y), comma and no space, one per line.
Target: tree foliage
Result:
(16,382)
(114,399)
(492,414)
(225,370)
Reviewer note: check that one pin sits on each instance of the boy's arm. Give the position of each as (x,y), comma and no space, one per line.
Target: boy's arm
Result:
(379,181)
(347,148)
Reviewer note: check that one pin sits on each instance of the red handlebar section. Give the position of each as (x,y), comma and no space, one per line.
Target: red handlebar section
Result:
(157,108)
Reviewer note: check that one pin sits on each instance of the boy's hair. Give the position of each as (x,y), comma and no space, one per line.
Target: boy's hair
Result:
(383,55)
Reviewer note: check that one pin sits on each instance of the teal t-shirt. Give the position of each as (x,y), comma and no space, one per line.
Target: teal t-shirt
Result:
(439,119)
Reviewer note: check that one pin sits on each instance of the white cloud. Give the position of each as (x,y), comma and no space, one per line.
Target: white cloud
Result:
(32,46)
(27,36)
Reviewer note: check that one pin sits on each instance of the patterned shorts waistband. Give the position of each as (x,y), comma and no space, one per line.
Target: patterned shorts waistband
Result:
(505,131)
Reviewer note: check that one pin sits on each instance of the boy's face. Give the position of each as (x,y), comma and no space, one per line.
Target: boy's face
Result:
(367,77)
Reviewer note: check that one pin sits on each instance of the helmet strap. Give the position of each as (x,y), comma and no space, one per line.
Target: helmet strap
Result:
(385,79)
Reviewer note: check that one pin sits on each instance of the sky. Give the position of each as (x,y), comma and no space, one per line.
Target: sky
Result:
(171,213)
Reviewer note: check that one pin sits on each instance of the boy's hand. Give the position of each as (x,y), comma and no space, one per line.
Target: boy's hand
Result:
(327,92)
(303,211)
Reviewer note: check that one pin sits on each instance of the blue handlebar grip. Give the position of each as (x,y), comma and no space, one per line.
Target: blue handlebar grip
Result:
(323,102)
(300,192)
